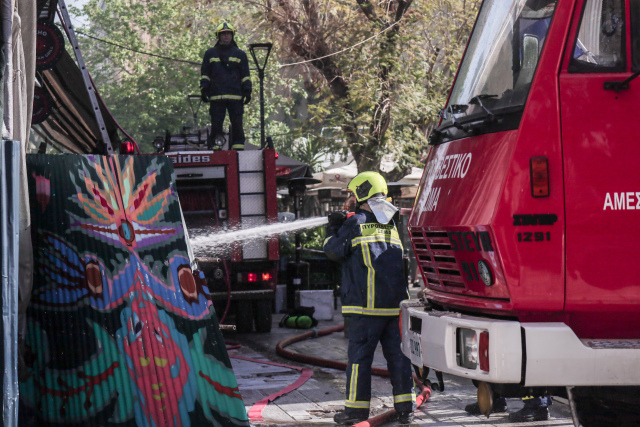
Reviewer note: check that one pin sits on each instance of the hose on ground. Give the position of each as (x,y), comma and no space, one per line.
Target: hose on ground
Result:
(371,422)
(317,360)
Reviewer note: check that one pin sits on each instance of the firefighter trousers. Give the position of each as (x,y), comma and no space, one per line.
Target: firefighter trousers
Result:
(364,334)
(218,110)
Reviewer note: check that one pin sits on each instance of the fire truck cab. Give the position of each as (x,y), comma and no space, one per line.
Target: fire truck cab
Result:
(525,224)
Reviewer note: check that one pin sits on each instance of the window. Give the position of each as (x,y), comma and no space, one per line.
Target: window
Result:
(635,35)
(600,43)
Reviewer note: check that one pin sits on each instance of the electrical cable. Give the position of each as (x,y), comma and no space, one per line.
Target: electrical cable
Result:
(343,50)
(280,66)
(137,51)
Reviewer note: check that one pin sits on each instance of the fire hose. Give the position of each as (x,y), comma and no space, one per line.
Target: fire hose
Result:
(373,421)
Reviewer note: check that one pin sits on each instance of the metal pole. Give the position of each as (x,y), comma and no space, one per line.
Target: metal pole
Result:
(296,201)
(85,76)
(9,250)
(262,138)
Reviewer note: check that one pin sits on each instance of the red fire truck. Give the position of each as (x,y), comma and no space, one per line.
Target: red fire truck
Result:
(525,227)
(222,191)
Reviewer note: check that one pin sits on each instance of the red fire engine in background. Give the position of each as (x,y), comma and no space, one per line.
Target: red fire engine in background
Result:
(525,227)
(227,190)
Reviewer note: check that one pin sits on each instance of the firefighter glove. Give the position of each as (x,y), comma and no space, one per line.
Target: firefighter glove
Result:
(203,96)
(246,99)
(337,218)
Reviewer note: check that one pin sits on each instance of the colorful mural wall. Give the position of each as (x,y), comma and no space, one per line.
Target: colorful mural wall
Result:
(119,329)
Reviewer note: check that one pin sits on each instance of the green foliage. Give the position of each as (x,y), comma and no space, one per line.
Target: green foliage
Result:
(312,238)
(395,83)
(147,94)
(380,97)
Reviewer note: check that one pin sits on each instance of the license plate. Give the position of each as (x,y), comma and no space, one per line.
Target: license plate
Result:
(414,348)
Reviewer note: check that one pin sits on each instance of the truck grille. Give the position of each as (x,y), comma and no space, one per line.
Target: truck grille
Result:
(434,254)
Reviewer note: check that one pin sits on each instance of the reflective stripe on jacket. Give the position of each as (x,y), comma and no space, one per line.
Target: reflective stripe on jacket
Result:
(225,73)
(373,282)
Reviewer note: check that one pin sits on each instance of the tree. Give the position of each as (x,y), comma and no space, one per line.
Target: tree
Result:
(385,93)
(147,93)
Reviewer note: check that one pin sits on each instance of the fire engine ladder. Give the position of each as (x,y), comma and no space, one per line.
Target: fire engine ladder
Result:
(253,201)
(85,76)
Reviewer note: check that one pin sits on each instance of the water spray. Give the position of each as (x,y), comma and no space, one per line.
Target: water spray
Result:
(207,243)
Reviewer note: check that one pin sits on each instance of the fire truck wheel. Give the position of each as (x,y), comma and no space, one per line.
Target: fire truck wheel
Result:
(262,315)
(605,407)
(244,316)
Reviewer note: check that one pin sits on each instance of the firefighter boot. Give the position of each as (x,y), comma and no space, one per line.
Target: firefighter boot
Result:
(405,418)
(530,413)
(499,405)
(345,418)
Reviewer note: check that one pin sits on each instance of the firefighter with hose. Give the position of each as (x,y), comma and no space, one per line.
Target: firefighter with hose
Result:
(225,84)
(373,284)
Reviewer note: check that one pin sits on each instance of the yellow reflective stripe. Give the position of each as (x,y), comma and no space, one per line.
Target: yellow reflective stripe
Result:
(371,277)
(237,146)
(326,240)
(352,309)
(410,397)
(214,59)
(361,404)
(205,77)
(234,59)
(353,384)
(232,97)
(375,239)
(245,79)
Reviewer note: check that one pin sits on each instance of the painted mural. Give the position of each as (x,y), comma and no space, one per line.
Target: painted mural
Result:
(120,330)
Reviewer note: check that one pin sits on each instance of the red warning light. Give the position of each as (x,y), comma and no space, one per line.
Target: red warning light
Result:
(252,277)
(266,277)
(126,147)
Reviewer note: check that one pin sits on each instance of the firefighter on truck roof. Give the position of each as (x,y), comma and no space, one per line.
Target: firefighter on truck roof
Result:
(225,84)
(373,284)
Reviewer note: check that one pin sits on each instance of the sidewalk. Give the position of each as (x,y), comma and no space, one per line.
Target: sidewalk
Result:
(317,400)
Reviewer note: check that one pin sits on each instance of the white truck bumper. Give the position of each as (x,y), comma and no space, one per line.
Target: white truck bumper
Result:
(555,356)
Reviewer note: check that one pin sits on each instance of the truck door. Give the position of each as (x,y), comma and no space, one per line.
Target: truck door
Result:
(601,150)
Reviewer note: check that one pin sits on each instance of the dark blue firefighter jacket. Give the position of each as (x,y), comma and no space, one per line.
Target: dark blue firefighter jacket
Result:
(373,282)
(225,73)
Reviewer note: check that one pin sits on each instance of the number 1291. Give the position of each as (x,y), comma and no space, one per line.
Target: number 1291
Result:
(538,236)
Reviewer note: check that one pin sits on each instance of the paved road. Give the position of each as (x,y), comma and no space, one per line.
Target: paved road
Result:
(315,402)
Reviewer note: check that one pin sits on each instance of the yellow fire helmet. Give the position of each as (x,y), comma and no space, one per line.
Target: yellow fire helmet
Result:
(225,26)
(366,185)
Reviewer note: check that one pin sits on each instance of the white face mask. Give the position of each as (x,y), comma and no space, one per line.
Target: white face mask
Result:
(382,209)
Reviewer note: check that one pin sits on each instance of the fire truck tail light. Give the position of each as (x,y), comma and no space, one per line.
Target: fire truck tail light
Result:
(126,147)
(539,170)
(266,277)
(483,350)
(277,155)
(252,277)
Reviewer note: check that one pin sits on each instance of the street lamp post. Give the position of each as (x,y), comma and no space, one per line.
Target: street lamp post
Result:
(265,49)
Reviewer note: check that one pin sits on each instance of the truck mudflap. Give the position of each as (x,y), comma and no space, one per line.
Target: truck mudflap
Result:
(555,356)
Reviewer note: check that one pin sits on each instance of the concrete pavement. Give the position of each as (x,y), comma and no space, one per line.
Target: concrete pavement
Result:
(317,400)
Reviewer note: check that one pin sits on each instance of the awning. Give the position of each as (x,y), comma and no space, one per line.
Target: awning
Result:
(71,125)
